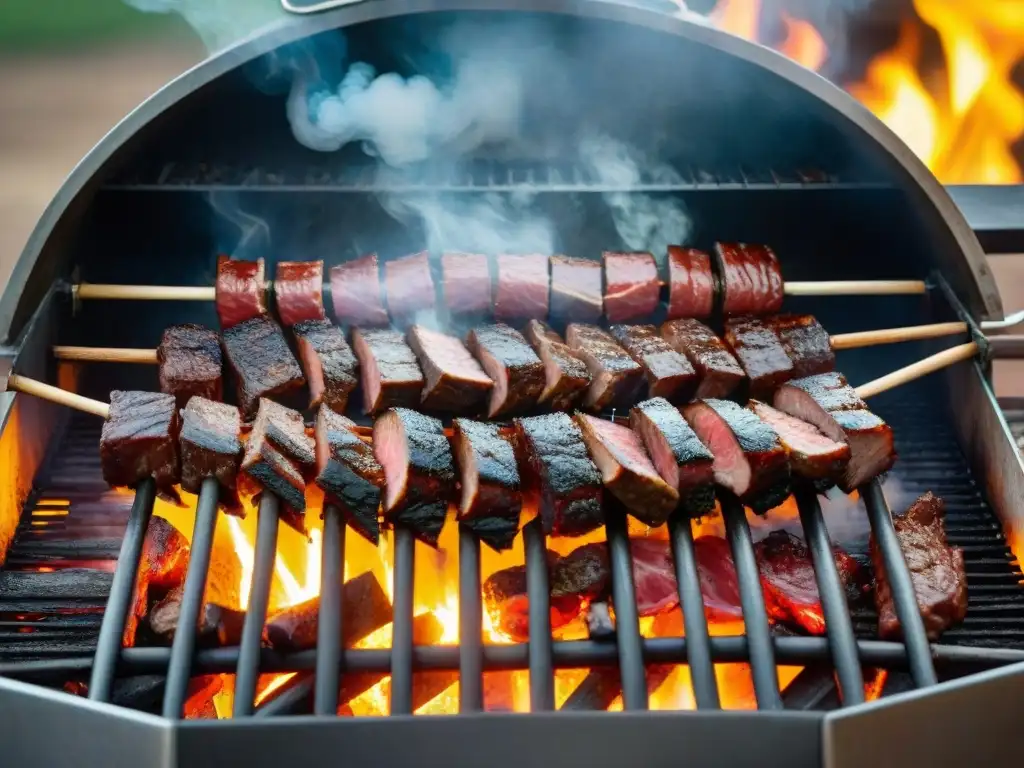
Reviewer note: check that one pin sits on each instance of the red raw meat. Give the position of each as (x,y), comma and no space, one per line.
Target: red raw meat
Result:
(522,292)
(299,291)
(240,290)
(654,577)
(466,279)
(719,584)
(356,293)
(410,288)
(632,287)
(576,289)
(691,283)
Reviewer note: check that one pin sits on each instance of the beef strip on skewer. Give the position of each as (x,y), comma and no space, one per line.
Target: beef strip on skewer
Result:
(210,447)
(510,361)
(331,368)
(418,468)
(717,368)
(389,373)
(829,403)
(139,440)
(190,363)
(560,472)
(263,364)
(812,454)
(749,458)
(691,283)
(576,289)
(356,292)
(299,291)
(240,291)
(286,429)
(491,491)
(669,373)
(761,354)
(409,286)
(522,287)
(615,377)
(466,282)
(566,377)
(936,570)
(751,279)
(806,342)
(682,460)
(632,287)
(454,380)
(348,473)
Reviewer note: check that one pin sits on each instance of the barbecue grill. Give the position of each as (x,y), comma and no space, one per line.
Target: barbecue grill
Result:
(777,155)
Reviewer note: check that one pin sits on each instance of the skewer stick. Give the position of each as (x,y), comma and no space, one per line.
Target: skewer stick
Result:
(57,395)
(916,370)
(856,288)
(146,292)
(105,354)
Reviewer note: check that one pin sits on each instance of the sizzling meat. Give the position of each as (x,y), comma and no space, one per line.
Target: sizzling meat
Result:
(669,373)
(140,440)
(410,287)
(566,378)
(716,366)
(761,354)
(491,495)
(190,363)
(390,375)
(348,473)
(299,291)
(454,381)
(632,287)
(691,283)
(265,468)
(812,454)
(751,279)
(263,364)
(561,473)
(210,447)
(522,292)
(240,291)
(418,468)
(466,280)
(615,377)
(287,431)
(356,292)
(508,359)
(936,569)
(806,342)
(327,359)
(576,289)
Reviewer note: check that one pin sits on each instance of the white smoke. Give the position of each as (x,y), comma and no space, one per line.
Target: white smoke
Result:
(217,22)
(253,232)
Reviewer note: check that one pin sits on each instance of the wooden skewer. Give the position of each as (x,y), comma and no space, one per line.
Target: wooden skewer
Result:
(856,288)
(106,354)
(57,395)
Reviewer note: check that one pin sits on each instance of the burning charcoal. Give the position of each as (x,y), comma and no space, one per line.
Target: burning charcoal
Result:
(240,291)
(356,292)
(691,283)
(632,287)
(409,285)
(761,354)
(812,455)
(217,625)
(600,625)
(286,430)
(491,495)
(391,377)
(669,373)
(263,364)
(454,381)
(584,573)
(140,440)
(601,687)
(210,447)
(267,469)
(506,602)
(522,290)
(299,291)
(576,289)
(751,279)
(466,279)
(511,363)
(806,342)
(717,368)
(348,473)
(615,377)
(164,556)
(145,693)
(190,363)
(417,461)
(327,359)
(566,378)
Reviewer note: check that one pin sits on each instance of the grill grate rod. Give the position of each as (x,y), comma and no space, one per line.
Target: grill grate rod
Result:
(471,690)
(627,629)
(330,630)
(402,638)
(538,594)
(122,590)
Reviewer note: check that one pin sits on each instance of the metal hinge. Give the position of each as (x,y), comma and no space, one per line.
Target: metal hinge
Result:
(315,6)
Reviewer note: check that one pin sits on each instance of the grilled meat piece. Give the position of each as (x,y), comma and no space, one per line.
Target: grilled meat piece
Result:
(576,289)
(356,292)
(615,377)
(287,431)
(936,570)
(632,287)
(491,494)
(561,474)
(165,554)
(751,279)
(466,281)
(454,380)
(348,473)
(522,291)
(210,447)
(507,603)
(410,287)
(691,283)
(627,471)
(190,363)
(140,439)
(832,405)
(263,364)
(265,467)
(749,459)
(761,354)
(240,291)
(510,361)
(806,342)
(566,377)
(669,373)
(716,366)
(812,454)
(390,375)
(331,368)
(418,468)
(681,458)
(299,291)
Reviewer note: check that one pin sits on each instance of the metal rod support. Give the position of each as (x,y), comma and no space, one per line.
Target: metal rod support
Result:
(627,629)
(471,690)
(401,643)
(329,626)
(538,591)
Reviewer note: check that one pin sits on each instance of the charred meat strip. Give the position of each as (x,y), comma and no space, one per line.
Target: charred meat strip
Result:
(240,291)
(285,428)
(190,363)
(626,470)
(331,368)
(749,459)
(936,570)
(418,469)
(506,601)
(561,473)
(453,379)
(669,373)
(140,440)
(348,473)
(165,554)
(632,287)
(491,492)
(356,292)
(510,361)
(751,279)
(566,377)
(263,364)
(812,454)
(719,372)
(682,460)
(576,289)
(409,285)
(691,283)
(299,291)
(466,281)
(267,469)
(806,342)
(615,377)
(761,354)
(389,373)
(522,290)
(210,447)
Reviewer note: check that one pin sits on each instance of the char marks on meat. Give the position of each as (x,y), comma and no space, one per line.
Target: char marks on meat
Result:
(561,474)
(761,354)
(632,287)
(453,379)
(509,360)
(466,281)
(491,492)
(410,287)
(356,292)
(576,289)
(331,368)
(936,570)
(265,468)
(615,377)
(718,370)
(418,468)
(751,279)
(240,291)
(285,428)
(806,342)
(263,364)
(299,291)
(522,290)
(348,473)
(566,377)
(669,373)
(389,373)
(812,454)
(140,440)
(691,283)
(190,363)
(210,447)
